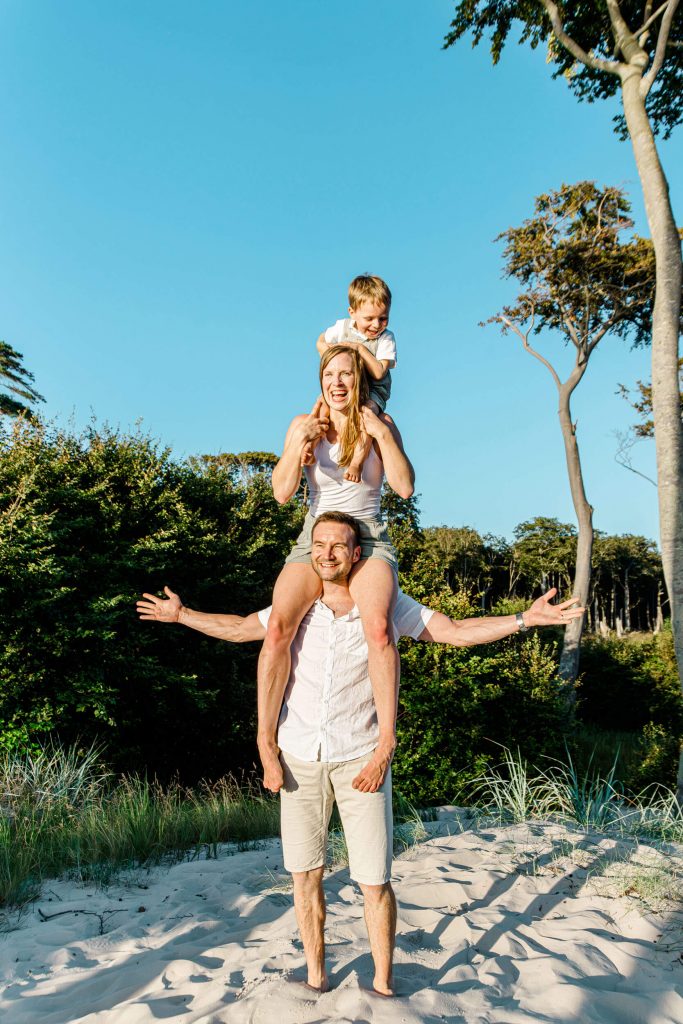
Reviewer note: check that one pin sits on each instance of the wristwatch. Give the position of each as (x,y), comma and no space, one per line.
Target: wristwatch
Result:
(521,624)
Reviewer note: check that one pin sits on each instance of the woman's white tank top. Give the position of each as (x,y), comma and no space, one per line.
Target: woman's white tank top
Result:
(330,492)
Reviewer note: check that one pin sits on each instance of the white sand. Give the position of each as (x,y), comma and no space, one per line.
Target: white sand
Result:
(496,926)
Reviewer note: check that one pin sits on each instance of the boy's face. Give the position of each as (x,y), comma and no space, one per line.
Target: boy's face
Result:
(370,318)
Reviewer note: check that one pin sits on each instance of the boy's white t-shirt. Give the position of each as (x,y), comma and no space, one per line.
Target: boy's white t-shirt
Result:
(386,342)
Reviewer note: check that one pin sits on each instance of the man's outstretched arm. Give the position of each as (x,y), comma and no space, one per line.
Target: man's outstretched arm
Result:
(237,629)
(468,632)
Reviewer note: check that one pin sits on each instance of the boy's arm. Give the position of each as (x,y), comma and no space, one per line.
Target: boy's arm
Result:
(469,632)
(321,345)
(237,629)
(376,368)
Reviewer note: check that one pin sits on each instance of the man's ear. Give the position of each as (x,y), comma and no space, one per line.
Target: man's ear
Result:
(356,553)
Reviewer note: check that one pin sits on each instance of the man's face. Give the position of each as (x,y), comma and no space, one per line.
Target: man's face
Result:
(334,551)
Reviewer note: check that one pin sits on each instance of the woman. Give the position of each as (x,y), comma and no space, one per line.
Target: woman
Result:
(373,582)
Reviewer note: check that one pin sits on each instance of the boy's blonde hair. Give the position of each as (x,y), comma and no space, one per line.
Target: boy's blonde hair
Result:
(367,287)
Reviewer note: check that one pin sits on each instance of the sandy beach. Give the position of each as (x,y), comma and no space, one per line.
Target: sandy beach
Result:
(497,925)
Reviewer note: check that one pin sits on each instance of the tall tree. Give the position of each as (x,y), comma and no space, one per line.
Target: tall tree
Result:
(632,48)
(581,280)
(15,378)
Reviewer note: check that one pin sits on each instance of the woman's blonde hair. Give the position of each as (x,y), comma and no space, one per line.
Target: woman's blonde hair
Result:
(353,427)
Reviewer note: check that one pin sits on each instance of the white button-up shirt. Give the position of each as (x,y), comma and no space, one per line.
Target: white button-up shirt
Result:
(328,713)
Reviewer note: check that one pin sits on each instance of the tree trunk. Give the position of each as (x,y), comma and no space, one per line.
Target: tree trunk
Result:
(627,602)
(665,330)
(569,659)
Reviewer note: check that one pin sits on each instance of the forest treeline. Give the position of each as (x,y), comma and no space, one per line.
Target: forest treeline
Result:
(89,521)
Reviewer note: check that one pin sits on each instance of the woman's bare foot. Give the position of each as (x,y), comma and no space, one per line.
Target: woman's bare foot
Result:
(353,473)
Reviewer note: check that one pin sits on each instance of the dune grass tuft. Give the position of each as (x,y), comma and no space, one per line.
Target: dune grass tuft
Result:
(62,813)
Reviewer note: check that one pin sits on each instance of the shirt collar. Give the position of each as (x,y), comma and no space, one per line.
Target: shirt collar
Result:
(321,607)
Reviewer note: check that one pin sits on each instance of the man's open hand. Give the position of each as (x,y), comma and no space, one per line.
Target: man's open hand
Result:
(543,613)
(159,609)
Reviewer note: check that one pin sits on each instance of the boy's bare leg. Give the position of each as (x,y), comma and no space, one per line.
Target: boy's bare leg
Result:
(296,589)
(308,452)
(355,469)
(309,904)
(380,919)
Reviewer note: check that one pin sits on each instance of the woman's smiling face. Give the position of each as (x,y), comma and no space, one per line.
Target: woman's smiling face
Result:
(339,381)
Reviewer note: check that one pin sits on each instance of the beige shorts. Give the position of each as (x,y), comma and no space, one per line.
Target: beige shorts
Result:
(374,542)
(306,800)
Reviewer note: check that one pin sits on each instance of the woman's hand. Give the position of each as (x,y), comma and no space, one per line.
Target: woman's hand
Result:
(372,424)
(313,426)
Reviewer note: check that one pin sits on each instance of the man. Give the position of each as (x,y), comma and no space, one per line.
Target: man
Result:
(326,730)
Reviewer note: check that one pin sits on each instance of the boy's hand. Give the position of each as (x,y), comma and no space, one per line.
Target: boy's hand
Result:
(159,609)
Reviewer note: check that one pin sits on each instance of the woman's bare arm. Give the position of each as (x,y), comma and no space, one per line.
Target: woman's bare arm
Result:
(287,473)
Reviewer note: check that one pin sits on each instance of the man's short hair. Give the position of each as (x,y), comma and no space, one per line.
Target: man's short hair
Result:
(368,287)
(340,517)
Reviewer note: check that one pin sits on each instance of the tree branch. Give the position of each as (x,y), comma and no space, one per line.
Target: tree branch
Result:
(650,17)
(622,456)
(524,337)
(611,66)
(660,51)
(626,40)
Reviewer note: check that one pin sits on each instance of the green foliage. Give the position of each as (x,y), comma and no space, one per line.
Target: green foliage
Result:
(15,378)
(457,704)
(86,524)
(588,24)
(579,275)
(629,682)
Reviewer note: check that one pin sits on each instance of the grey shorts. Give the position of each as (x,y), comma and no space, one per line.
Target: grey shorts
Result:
(306,799)
(374,542)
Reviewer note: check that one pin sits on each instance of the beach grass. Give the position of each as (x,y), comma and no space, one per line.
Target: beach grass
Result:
(62,813)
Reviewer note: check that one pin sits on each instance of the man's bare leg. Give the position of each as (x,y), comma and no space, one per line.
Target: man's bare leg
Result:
(380,919)
(296,589)
(309,904)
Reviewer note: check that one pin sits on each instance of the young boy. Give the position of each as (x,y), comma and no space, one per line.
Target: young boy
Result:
(365,329)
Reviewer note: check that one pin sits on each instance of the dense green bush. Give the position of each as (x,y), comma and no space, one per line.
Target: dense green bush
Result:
(86,524)
(458,705)
(630,681)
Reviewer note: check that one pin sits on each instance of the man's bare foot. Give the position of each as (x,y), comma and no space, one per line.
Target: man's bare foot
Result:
(353,473)
(318,982)
(386,991)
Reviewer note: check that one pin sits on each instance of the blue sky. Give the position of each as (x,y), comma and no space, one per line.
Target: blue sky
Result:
(186,190)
